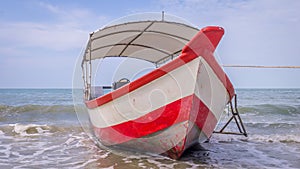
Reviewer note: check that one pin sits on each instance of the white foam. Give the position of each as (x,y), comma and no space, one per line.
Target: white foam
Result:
(24,129)
(111,167)
(287,138)
(142,165)
(70,141)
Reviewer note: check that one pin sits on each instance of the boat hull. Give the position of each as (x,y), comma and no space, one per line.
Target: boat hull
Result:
(169,109)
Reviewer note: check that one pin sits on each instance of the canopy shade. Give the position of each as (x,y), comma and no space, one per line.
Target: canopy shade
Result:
(153,41)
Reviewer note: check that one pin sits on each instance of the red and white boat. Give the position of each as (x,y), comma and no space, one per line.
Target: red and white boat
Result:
(170,108)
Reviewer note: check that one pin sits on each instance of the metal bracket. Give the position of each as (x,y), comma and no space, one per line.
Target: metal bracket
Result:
(237,118)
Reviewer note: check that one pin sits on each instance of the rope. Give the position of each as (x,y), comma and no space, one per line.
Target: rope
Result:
(255,66)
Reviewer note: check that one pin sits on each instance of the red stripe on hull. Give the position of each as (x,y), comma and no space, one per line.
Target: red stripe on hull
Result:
(205,119)
(152,122)
(188,108)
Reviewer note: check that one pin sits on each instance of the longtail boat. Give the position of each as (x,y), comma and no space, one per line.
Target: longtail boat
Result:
(169,109)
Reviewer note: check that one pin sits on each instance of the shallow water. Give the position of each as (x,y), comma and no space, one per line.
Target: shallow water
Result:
(44,132)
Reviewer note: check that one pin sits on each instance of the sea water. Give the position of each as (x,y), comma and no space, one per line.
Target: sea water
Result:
(39,129)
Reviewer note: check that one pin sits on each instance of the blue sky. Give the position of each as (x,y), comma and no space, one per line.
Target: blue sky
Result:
(41,40)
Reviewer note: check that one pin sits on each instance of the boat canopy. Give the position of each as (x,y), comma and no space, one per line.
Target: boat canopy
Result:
(153,41)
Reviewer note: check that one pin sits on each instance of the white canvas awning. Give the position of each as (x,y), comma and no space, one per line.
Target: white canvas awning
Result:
(153,41)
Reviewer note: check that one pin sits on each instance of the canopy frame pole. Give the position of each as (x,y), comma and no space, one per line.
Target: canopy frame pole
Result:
(151,23)
(89,82)
(86,82)
(87,70)
(237,118)
(84,78)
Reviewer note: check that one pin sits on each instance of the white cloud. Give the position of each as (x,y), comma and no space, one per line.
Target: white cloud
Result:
(56,37)
(40,52)
(256,31)
(69,30)
(73,16)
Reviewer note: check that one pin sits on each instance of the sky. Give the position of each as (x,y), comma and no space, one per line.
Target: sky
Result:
(40,41)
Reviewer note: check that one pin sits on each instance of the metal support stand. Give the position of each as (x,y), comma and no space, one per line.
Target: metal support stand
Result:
(237,118)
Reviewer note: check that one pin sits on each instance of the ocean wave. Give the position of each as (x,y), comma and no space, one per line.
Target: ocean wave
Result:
(57,114)
(257,138)
(274,138)
(19,129)
(37,108)
(30,129)
(273,125)
(291,110)
(254,109)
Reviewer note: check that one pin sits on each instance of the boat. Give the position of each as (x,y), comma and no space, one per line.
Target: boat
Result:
(169,109)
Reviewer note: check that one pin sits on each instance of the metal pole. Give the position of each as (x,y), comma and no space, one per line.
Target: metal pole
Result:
(238,120)
(83,78)
(239,117)
(90,67)
(86,81)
